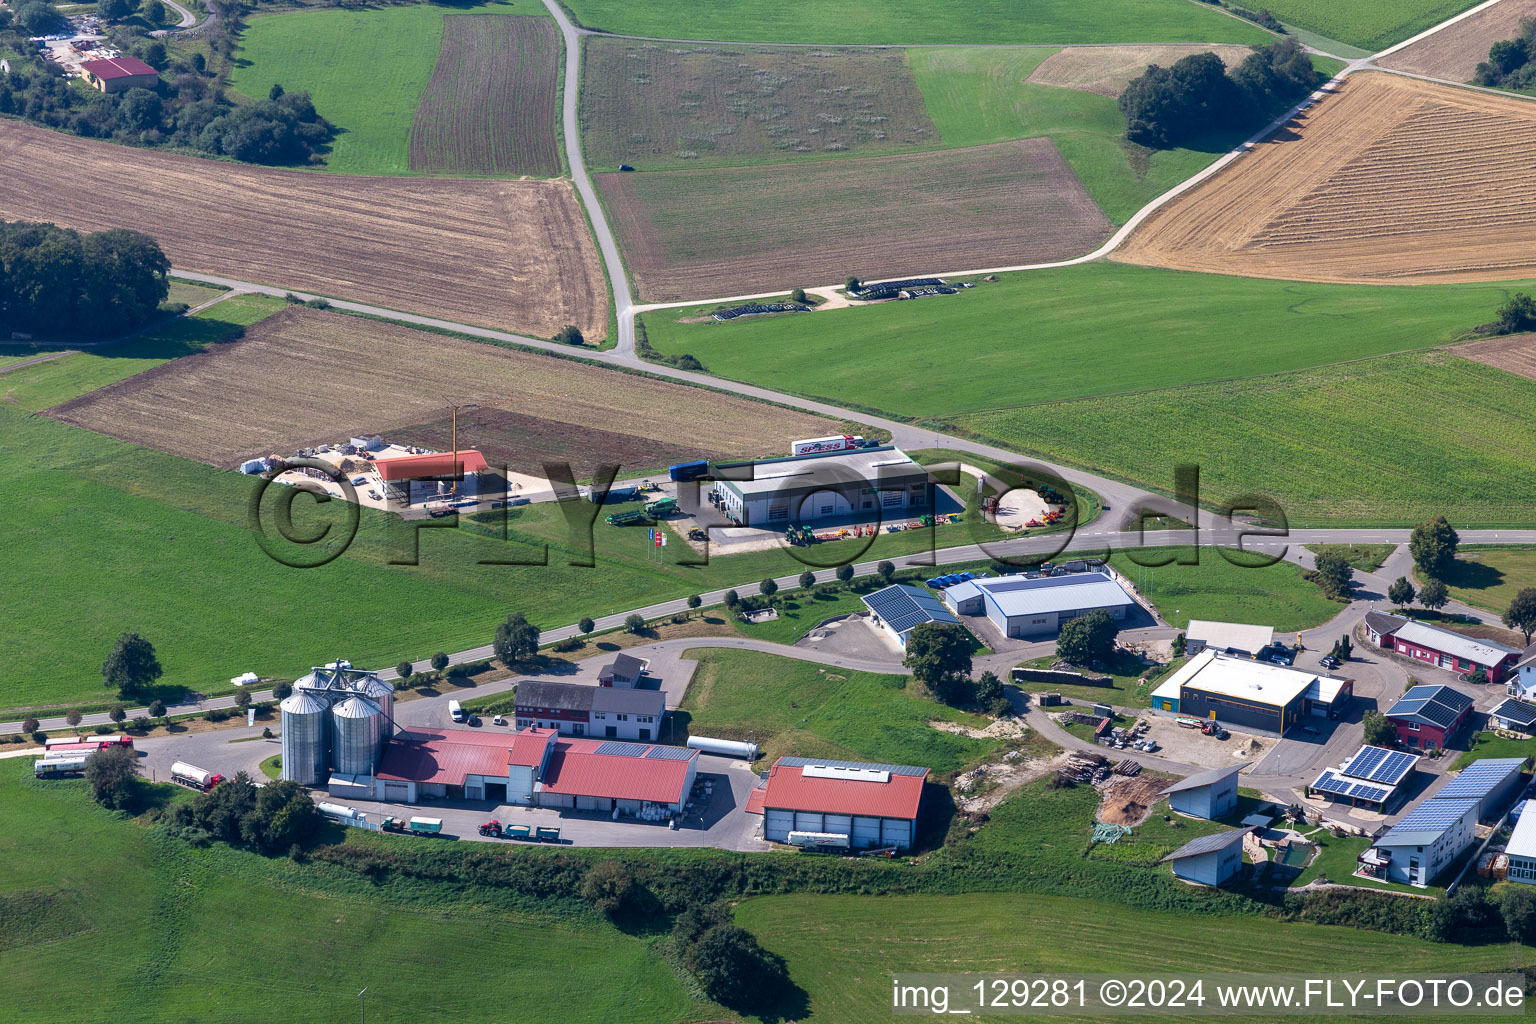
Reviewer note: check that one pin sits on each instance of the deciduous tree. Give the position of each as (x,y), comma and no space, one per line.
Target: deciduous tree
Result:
(1433,546)
(517,639)
(1521,614)
(1401,592)
(1434,595)
(132,667)
(1087,638)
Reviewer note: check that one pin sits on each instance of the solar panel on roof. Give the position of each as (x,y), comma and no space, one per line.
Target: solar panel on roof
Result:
(623,749)
(1392,768)
(1363,763)
(894,769)
(1433,814)
(670,753)
(1478,779)
(1366,791)
(1330,783)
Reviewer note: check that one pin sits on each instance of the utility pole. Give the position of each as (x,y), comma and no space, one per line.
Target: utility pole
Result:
(455,465)
(363,1003)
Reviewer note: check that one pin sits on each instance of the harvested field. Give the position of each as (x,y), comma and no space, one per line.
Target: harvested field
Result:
(1515,353)
(305,376)
(656,105)
(515,255)
(1391,180)
(742,229)
(1454,53)
(490,106)
(1107,70)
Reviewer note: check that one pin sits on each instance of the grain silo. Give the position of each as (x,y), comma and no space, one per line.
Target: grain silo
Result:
(306,736)
(357,725)
(382,694)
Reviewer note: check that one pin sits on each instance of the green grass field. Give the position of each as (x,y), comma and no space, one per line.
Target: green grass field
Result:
(1275,595)
(1490,744)
(979,96)
(1071,333)
(1390,440)
(1372,24)
(842,949)
(810,710)
(1363,557)
(930,21)
(1491,577)
(164,931)
(365,69)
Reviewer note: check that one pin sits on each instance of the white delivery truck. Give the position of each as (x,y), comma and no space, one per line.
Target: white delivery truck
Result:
(456,711)
(831,443)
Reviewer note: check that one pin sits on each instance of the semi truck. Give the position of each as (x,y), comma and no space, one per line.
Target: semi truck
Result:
(342,814)
(193,777)
(689,470)
(830,443)
(87,742)
(59,764)
(415,826)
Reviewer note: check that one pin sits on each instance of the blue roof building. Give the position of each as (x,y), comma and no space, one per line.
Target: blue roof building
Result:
(898,609)
(1425,842)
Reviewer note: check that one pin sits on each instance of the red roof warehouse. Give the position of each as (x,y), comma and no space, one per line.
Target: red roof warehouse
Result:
(429,465)
(872,805)
(115,74)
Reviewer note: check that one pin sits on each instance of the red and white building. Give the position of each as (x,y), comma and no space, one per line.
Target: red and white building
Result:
(1454,651)
(410,478)
(873,805)
(535,768)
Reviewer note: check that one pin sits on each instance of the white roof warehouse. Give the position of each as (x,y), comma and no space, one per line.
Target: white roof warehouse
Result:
(802,488)
(1249,694)
(1020,606)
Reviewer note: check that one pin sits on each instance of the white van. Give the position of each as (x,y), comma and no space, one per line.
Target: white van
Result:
(455,711)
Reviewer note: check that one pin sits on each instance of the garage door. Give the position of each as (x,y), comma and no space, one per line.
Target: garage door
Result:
(806,821)
(397,791)
(586,803)
(777,825)
(866,831)
(839,823)
(896,833)
(824,503)
(1318,708)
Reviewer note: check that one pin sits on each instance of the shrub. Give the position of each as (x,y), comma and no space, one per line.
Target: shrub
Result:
(29,724)
(570,643)
(440,661)
(103,729)
(143,723)
(570,334)
(634,622)
(798,295)
(114,777)
(610,889)
(734,970)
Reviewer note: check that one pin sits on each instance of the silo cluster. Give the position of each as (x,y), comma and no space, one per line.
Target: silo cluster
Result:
(336,720)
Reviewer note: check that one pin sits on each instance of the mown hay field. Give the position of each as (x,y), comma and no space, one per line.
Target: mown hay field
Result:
(490,106)
(656,105)
(1107,70)
(1390,180)
(515,255)
(306,377)
(738,230)
(1453,53)
(1390,440)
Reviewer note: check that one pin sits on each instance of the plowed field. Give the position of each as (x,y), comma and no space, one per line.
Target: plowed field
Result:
(1453,53)
(305,377)
(738,230)
(490,107)
(1515,353)
(1390,180)
(508,254)
(1107,70)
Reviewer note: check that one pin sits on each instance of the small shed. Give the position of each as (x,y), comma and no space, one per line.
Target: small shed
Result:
(1206,794)
(1209,860)
(624,672)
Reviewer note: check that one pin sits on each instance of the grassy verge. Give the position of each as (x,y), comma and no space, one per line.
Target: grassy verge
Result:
(1363,557)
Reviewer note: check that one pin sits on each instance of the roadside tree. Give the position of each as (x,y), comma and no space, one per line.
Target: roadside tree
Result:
(1334,573)
(114,777)
(937,650)
(1522,613)
(1087,638)
(1434,595)
(517,639)
(1433,546)
(1401,592)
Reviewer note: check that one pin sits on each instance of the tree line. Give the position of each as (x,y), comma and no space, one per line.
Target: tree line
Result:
(60,283)
(1198,96)
(186,109)
(1511,63)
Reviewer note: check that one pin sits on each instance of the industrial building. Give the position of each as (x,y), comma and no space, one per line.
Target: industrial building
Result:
(412,478)
(1371,778)
(1426,716)
(1424,843)
(1521,850)
(1226,637)
(538,768)
(872,805)
(900,608)
(118,74)
(1205,794)
(1021,607)
(863,482)
(1209,860)
(1379,625)
(1493,782)
(1252,695)
(336,720)
(1445,649)
(575,709)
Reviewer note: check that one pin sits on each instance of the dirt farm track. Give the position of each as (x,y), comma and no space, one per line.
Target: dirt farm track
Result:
(514,255)
(1390,180)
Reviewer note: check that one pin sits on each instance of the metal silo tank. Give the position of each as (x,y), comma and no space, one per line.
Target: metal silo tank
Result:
(306,750)
(358,723)
(382,694)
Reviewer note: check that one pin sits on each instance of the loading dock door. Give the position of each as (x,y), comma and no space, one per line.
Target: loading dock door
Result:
(496,791)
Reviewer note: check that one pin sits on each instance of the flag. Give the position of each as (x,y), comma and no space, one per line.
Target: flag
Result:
(660,540)
(651,534)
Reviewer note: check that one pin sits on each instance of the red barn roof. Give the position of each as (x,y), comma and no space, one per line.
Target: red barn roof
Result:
(577,769)
(528,747)
(109,68)
(444,757)
(789,790)
(432,464)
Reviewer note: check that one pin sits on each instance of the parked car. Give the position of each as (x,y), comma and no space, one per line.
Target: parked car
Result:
(359,480)
(474,720)
(1329,661)
(498,720)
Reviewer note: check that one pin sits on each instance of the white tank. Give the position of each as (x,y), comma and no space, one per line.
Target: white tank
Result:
(306,733)
(729,748)
(359,725)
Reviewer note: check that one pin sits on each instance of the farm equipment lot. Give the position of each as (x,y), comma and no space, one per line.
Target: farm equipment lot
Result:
(404,243)
(654,105)
(1390,180)
(1107,70)
(490,106)
(1454,52)
(304,377)
(734,230)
